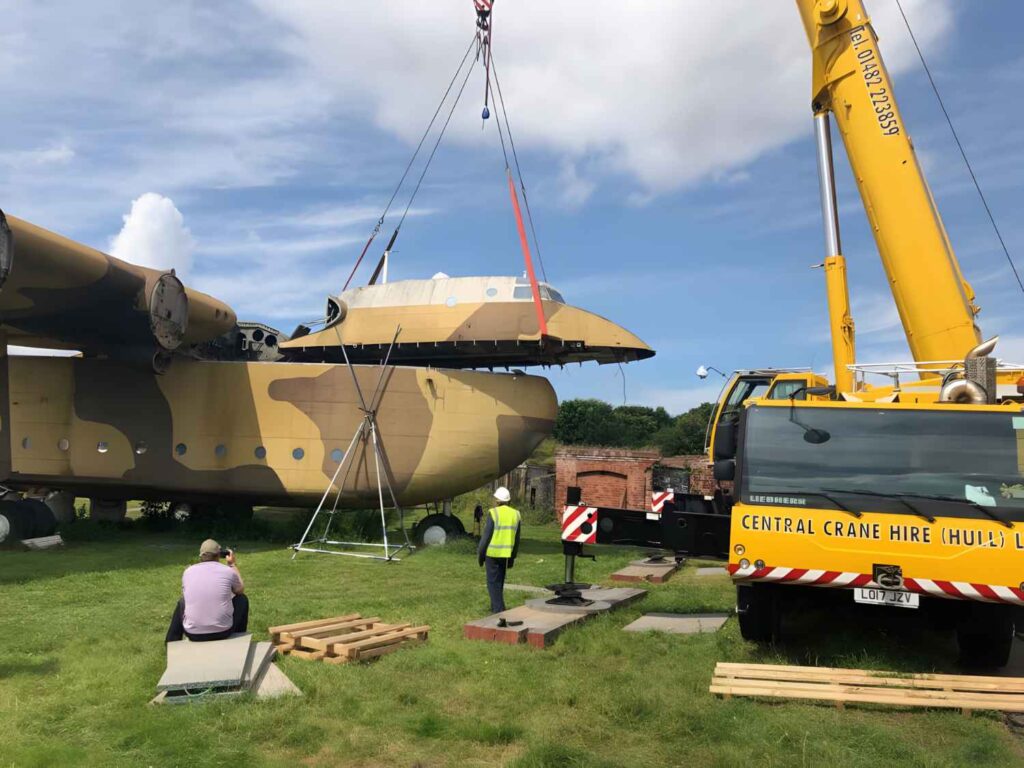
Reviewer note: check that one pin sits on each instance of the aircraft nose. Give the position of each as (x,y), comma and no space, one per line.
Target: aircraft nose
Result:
(603,340)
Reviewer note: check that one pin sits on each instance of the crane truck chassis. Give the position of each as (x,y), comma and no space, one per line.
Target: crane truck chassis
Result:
(896,504)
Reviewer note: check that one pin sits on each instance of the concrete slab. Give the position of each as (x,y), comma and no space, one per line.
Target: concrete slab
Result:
(542,623)
(712,571)
(262,655)
(617,596)
(539,628)
(275,683)
(678,624)
(653,570)
(214,664)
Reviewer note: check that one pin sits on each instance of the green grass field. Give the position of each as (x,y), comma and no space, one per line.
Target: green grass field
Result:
(82,648)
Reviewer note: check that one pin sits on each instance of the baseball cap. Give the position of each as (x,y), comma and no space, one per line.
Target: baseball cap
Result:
(209,547)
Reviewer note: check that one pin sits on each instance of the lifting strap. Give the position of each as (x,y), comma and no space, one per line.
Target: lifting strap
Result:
(542,322)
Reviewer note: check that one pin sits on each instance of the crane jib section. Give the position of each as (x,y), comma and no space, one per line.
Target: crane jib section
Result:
(935,303)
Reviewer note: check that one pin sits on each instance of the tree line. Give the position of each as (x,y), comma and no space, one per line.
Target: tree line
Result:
(595,422)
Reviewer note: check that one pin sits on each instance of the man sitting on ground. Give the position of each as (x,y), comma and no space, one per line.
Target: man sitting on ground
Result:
(213,604)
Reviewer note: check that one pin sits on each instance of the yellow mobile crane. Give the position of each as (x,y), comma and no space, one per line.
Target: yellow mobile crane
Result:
(907,495)
(900,492)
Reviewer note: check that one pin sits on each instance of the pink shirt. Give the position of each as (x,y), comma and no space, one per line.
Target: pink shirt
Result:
(208,588)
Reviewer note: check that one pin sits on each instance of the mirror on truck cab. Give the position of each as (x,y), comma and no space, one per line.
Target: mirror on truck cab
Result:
(724,470)
(725,439)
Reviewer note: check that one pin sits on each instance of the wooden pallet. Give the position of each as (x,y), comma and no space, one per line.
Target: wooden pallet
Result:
(343,639)
(843,686)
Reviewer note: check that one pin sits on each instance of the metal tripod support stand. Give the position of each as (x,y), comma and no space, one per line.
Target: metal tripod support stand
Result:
(367,434)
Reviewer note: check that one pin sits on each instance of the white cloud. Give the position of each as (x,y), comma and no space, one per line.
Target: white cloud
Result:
(154,235)
(56,154)
(671,95)
(573,189)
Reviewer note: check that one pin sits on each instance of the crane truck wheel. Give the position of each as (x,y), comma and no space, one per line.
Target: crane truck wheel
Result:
(985,635)
(757,606)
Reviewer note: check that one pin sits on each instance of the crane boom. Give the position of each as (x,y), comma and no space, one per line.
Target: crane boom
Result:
(934,301)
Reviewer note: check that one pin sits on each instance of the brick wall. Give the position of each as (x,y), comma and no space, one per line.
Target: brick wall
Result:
(608,477)
(620,477)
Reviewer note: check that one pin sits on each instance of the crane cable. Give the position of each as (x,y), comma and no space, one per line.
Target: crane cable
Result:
(519,171)
(524,242)
(960,146)
(412,160)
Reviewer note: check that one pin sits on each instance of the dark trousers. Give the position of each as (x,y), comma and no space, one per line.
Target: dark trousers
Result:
(239,622)
(496,568)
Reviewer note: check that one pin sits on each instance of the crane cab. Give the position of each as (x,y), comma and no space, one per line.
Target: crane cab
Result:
(769,383)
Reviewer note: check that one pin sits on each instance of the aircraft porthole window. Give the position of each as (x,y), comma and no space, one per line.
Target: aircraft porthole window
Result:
(271,340)
(64,444)
(102,446)
(257,335)
(298,453)
(492,292)
(260,452)
(180,449)
(451,301)
(26,443)
(337,455)
(221,451)
(141,447)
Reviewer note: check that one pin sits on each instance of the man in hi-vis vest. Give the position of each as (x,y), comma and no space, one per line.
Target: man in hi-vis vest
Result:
(499,545)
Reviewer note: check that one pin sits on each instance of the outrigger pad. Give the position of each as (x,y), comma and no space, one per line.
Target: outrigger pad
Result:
(570,593)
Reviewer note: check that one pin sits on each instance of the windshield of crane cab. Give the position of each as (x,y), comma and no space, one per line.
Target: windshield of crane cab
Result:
(879,460)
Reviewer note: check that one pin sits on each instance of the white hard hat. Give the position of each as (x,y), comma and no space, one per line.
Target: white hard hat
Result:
(502,494)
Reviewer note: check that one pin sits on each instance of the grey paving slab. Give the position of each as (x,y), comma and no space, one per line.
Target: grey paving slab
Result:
(712,571)
(615,595)
(214,664)
(262,655)
(679,624)
(275,683)
(654,571)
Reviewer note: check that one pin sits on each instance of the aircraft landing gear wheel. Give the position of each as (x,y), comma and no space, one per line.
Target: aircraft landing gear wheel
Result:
(757,606)
(438,529)
(985,636)
(25,519)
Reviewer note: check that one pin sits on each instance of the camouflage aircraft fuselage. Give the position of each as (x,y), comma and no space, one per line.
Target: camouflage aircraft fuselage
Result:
(270,433)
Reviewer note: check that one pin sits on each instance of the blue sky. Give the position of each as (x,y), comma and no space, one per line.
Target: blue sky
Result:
(668,154)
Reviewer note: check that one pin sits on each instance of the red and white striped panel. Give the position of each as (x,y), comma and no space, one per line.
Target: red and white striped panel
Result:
(658,499)
(573,519)
(483,5)
(957,590)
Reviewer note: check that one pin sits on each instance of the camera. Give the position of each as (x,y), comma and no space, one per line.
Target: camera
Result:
(224,553)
